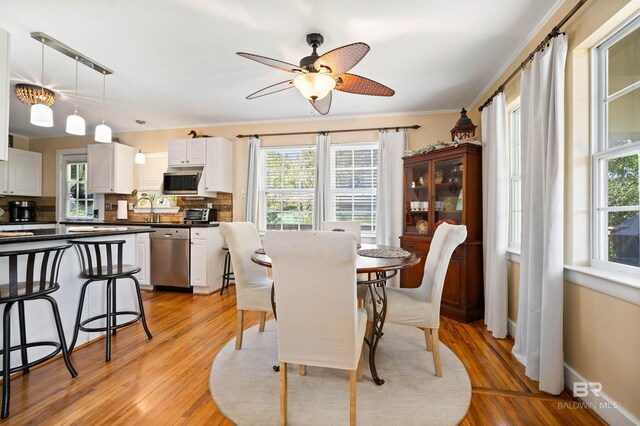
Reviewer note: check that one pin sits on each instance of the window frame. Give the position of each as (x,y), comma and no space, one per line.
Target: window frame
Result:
(600,153)
(515,135)
(262,191)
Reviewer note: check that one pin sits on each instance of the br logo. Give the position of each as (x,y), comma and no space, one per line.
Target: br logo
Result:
(582,389)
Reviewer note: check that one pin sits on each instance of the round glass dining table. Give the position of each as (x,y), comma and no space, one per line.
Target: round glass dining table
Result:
(378,271)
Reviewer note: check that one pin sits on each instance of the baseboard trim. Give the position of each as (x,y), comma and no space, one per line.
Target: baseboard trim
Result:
(511,328)
(603,405)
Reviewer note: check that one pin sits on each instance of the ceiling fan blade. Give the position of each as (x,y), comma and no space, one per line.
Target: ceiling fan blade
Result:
(274,88)
(352,83)
(343,58)
(284,66)
(322,105)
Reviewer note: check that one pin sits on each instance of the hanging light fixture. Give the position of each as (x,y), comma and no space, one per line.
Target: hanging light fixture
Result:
(75,123)
(314,85)
(41,114)
(103,132)
(140,158)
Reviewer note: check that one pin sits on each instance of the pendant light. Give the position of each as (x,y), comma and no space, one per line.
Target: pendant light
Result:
(75,123)
(41,115)
(140,158)
(103,132)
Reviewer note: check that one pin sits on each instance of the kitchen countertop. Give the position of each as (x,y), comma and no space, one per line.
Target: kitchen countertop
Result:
(37,222)
(153,225)
(62,232)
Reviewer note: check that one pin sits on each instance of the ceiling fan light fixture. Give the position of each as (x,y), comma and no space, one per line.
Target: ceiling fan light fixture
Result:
(41,115)
(314,85)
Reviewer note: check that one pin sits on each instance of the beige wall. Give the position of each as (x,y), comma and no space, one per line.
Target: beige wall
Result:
(602,333)
(434,127)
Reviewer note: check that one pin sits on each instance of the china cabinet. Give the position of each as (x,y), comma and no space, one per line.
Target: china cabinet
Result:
(445,185)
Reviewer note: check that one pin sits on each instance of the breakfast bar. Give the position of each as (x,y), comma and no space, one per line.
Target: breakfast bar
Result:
(67,297)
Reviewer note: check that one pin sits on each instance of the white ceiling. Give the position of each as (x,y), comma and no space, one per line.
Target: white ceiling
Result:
(175,66)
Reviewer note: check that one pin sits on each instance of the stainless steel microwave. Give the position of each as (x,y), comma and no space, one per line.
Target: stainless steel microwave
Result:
(181,183)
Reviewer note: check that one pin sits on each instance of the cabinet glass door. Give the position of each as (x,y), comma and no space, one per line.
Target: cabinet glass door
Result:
(417,179)
(449,197)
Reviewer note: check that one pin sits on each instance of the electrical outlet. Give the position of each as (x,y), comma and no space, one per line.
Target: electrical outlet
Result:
(209,205)
(108,206)
(243,194)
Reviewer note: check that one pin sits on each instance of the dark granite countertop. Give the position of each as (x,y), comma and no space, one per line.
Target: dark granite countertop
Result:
(61,232)
(153,225)
(37,222)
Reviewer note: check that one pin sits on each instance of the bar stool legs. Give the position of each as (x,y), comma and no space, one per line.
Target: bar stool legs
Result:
(6,359)
(227,274)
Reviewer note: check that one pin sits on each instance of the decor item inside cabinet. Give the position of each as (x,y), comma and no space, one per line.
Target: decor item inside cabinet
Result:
(445,186)
(110,167)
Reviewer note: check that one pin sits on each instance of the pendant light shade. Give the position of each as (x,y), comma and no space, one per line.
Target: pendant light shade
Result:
(75,123)
(314,85)
(41,115)
(103,132)
(140,159)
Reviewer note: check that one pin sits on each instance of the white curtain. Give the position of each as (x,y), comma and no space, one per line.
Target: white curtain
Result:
(251,205)
(389,212)
(322,195)
(540,318)
(495,184)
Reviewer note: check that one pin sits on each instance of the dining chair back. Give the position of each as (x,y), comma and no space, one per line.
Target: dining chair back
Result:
(346,226)
(319,323)
(253,286)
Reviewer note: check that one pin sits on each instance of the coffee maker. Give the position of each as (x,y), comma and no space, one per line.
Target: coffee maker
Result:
(22,211)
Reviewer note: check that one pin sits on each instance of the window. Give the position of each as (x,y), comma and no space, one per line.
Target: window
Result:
(286,198)
(615,151)
(354,180)
(79,203)
(515,182)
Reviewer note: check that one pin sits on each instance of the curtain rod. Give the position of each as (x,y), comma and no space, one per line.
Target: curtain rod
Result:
(554,33)
(397,128)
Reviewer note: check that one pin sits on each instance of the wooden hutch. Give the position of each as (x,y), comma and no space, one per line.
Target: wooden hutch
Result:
(446,185)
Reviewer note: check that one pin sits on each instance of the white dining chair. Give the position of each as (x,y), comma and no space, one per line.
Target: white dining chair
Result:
(253,286)
(318,322)
(347,226)
(420,307)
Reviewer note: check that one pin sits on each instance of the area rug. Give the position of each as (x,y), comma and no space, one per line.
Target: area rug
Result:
(245,387)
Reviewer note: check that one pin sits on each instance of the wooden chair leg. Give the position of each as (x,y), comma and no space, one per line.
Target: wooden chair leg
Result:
(283,393)
(368,332)
(436,352)
(360,364)
(302,370)
(352,397)
(239,329)
(427,339)
(263,319)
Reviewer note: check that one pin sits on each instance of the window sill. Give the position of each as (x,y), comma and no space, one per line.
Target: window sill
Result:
(620,285)
(513,256)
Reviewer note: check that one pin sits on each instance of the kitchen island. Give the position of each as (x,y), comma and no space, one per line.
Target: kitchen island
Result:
(67,297)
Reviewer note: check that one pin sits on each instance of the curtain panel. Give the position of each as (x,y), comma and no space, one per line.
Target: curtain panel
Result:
(322,192)
(539,333)
(251,204)
(495,186)
(389,211)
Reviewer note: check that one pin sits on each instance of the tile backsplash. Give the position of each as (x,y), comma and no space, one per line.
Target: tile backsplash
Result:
(45,207)
(223,204)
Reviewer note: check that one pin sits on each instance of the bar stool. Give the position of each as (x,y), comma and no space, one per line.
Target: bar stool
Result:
(227,275)
(92,269)
(40,279)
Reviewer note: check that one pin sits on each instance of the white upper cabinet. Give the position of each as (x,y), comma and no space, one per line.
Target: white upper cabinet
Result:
(217,172)
(110,168)
(4,93)
(187,152)
(21,174)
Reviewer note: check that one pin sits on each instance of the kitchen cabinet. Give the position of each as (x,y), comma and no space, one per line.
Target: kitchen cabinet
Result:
(187,152)
(143,260)
(206,260)
(110,168)
(217,172)
(5,74)
(445,186)
(21,174)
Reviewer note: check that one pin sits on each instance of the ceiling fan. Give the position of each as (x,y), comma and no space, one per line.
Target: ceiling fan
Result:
(319,75)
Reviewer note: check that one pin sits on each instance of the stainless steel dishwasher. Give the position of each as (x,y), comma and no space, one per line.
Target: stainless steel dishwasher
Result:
(170,257)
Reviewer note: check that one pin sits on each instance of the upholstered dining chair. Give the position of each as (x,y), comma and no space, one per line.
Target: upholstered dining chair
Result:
(253,286)
(347,226)
(318,323)
(420,307)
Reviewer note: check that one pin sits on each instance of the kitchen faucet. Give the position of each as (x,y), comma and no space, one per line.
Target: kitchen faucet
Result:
(144,197)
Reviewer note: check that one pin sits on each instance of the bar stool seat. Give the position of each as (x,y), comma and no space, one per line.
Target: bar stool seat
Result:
(93,269)
(41,279)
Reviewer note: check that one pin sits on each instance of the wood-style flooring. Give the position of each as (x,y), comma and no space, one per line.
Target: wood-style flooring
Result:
(164,381)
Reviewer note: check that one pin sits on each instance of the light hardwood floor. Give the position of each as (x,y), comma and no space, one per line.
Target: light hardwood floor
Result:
(165,380)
